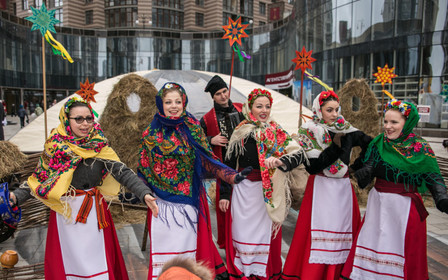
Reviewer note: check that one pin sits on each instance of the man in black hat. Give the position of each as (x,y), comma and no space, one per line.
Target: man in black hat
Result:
(218,125)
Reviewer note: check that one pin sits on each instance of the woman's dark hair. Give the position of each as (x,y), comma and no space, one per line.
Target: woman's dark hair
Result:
(330,98)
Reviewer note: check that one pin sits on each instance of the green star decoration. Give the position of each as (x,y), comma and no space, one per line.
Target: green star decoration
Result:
(43,20)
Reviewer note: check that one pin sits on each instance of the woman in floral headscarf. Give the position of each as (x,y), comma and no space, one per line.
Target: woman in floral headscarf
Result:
(391,243)
(76,170)
(174,157)
(259,204)
(329,215)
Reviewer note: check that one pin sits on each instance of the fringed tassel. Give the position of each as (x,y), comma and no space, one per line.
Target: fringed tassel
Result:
(57,47)
(169,208)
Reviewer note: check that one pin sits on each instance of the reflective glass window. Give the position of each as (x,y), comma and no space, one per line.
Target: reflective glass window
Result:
(361,67)
(343,25)
(383,15)
(409,16)
(362,21)
(407,59)
(435,16)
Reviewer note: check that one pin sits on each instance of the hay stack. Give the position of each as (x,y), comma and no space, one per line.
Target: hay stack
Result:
(366,118)
(123,127)
(11,159)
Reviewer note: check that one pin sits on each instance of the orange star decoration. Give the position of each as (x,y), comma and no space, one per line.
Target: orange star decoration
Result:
(303,60)
(235,31)
(385,75)
(87,92)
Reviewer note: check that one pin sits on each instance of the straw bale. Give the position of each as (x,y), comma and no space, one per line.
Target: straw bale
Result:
(11,159)
(122,127)
(365,118)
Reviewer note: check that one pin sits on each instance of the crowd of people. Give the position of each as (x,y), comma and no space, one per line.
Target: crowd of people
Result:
(252,158)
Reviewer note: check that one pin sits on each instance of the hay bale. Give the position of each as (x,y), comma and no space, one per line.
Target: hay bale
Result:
(11,159)
(365,118)
(129,110)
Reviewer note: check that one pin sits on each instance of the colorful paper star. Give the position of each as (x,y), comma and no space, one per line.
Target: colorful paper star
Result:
(445,92)
(303,60)
(235,31)
(43,20)
(385,75)
(87,92)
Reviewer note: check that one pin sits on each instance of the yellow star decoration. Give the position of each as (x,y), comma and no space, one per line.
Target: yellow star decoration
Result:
(385,75)
(87,92)
(235,31)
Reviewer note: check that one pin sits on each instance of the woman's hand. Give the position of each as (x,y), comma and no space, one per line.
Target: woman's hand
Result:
(12,199)
(151,203)
(273,162)
(224,205)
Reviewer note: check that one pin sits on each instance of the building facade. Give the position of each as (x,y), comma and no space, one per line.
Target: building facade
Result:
(349,39)
(179,15)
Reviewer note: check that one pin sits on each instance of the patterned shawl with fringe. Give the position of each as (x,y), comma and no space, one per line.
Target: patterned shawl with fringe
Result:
(62,154)
(175,155)
(272,140)
(314,138)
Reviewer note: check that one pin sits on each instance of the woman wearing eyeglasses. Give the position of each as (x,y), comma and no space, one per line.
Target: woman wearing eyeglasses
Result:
(76,171)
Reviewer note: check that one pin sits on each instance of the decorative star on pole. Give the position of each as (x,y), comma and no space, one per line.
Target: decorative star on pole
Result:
(445,92)
(235,31)
(43,20)
(87,92)
(303,60)
(385,75)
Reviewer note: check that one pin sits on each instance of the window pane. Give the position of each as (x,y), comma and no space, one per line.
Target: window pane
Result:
(383,13)
(362,16)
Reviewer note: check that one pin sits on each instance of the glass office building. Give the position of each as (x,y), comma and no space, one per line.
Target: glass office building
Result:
(348,38)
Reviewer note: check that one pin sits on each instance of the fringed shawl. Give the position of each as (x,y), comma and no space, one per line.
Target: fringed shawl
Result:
(175,155)
(272,140)
(409,156)
(62,154)
(314,138)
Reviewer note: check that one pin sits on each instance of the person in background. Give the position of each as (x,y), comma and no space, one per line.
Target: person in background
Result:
(218,125)
(76,171)
(22,115)
(391,243)
(174,158)
(257,207)
(329,215)
(38,110)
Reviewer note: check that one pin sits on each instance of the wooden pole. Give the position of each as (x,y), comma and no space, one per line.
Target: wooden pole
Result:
(301,94)
(44,85)
(231,71)
(382,109)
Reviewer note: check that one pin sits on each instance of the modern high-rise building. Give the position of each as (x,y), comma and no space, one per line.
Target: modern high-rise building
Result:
(180,15)
(349,39)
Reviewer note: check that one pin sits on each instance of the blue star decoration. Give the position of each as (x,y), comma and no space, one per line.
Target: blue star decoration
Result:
(43,20)
(445,92)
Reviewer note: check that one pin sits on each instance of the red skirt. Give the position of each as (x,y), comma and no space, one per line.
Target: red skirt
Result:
(416,261)
(54,263)
(297,265)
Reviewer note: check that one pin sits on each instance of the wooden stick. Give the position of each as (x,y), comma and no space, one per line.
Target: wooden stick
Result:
(231,71)
(44,85)
(301,93)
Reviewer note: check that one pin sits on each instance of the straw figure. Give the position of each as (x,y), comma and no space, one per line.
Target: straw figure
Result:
(129,110)
(363,116)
